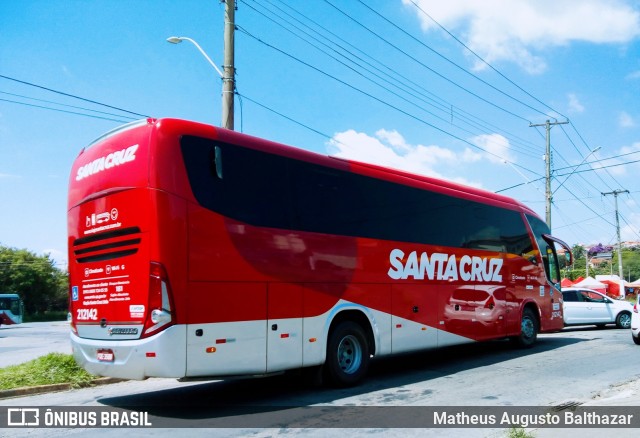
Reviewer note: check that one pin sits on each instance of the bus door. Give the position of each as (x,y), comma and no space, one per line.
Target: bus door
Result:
(552,271)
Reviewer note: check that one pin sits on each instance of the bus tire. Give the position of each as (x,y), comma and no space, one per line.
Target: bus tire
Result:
(529,327)
(347,354)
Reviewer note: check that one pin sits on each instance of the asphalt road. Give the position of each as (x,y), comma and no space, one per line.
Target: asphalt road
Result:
(24,342)
(576,366)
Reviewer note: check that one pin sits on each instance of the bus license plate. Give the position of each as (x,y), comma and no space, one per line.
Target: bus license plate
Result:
(105,355)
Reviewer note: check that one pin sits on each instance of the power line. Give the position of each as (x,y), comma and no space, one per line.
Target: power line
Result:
(391,83)
(377,99)
(393,75)
(426,66)
(62,111)
(484,61)
(285,116)
(459,67)
(71,95)
(65,105)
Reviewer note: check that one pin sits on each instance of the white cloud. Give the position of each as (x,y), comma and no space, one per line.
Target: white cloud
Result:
(625,120)
(634,75)
(514,30)
(496,145)
(390,149)
(574,104)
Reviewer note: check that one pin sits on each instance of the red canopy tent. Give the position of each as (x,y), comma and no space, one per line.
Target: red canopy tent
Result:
(566,282)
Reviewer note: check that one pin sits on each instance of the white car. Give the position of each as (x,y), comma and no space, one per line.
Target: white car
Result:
(586,307)
(635,322)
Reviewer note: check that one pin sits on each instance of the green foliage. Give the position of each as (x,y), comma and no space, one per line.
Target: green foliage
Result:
(48,316)
(518,432)
(579,252)
(45,370)
(630,265)
(41,285)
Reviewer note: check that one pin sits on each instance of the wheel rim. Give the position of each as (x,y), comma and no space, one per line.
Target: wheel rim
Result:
(625,321)
(349,354)
(528,328)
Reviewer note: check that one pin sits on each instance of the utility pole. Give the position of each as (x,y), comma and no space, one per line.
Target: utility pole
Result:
(547,157)
(228,79)
(615,194)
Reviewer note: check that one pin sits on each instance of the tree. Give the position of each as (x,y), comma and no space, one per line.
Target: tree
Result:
(41,285)
(578,252)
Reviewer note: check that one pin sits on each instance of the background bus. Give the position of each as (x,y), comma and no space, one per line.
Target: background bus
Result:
(11,309)
(195,251)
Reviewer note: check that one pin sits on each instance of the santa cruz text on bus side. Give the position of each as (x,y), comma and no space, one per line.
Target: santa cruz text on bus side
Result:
(440,266)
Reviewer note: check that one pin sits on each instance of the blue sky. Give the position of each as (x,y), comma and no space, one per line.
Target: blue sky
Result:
(391,82)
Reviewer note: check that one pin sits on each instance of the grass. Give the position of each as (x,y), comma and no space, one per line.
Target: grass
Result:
(57,315)
(518,432)
(45,370)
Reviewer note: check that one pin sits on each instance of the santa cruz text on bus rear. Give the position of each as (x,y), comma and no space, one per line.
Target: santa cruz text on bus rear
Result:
(199,252)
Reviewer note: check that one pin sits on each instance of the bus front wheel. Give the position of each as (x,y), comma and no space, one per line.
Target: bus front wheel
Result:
(347,354)
(528,329)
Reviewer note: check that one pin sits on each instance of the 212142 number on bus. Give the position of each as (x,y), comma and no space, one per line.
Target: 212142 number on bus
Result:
(87,314)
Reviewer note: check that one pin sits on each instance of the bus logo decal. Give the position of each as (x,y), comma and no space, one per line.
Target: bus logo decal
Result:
(122,331)
(439,266)
(104,163)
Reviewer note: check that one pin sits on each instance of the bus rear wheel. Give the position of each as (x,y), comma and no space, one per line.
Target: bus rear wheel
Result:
(347,354)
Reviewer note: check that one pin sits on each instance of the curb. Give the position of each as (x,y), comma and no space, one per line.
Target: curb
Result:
(42,389)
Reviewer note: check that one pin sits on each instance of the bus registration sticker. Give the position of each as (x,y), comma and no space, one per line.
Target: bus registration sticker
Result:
(105,355)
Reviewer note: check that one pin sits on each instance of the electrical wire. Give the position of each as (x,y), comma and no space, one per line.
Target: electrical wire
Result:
(440,75)
(67,106)
(63,111)
(459,67)
(370,79)
(349,56)
(371,96)
(486,62)
(71,95)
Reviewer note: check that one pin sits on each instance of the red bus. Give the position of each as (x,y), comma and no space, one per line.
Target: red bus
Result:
(11,309)
(196,252)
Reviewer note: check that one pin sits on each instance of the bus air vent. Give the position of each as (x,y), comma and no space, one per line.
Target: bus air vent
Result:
(108,245)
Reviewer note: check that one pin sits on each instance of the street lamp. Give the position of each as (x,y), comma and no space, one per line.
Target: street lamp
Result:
(228,83)
(178,40)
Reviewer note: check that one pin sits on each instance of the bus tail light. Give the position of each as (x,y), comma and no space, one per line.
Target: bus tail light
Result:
(160,312)
(72,324)
(635,308)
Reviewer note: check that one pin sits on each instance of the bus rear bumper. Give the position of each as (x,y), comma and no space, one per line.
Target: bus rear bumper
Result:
(161,355)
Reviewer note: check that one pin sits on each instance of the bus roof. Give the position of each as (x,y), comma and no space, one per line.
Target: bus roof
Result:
(185,127)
